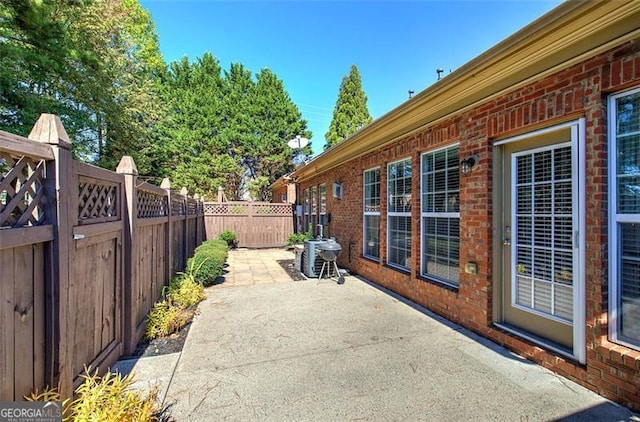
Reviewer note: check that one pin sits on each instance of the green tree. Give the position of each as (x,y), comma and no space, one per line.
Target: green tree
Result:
(276,120)
(93,62)
(37,52)
(238,120)
(350,113)
(192,142)
(122,38)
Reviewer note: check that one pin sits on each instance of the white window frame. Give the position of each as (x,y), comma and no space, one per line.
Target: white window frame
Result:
(614,220)
(322,207)
(305,211)
(366,213)
(396,214)
(436,215)
(314,210)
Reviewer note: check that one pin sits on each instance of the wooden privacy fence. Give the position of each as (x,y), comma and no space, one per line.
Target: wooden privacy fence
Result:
(84,254)
(257,224)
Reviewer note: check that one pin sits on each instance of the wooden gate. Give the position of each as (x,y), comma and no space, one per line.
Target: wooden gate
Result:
(96,260)
(257,224)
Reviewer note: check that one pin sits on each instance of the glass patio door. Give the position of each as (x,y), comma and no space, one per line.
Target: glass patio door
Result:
(542,250)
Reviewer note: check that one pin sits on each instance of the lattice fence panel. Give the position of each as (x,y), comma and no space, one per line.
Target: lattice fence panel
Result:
(272,209)
(238,208)
(21,192)
(226,208)
(151,204)
(178,206)
(97,200)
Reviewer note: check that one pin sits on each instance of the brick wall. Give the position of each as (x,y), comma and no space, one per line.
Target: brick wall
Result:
(579,91)
(276,194)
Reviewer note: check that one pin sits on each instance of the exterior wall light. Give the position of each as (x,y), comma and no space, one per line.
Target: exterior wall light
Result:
(469,164)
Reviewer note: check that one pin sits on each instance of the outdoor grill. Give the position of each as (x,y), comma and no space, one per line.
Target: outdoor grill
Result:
(329,252)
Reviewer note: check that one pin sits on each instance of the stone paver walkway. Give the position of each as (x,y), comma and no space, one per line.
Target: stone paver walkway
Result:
(256,266)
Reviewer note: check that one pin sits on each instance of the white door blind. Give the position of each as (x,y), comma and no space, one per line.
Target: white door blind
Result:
(544,232)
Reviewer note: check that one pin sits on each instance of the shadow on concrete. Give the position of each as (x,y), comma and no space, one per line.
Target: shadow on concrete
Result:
(599,413)
(221,279)
(289,266)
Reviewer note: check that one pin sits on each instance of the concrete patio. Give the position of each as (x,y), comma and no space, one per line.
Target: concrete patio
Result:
(265,348)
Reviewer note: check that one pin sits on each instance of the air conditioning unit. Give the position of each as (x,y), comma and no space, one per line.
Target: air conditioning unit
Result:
(311,259)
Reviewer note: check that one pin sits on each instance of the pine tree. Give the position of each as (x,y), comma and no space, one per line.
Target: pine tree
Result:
(277,119)
(194,147)
(350,113)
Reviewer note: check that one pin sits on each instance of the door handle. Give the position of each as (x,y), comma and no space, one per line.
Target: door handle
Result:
(506,237)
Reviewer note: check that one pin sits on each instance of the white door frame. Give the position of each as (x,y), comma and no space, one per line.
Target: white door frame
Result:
(578,136)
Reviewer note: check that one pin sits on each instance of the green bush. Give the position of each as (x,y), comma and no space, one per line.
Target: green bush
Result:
(229,237)
(217,244)
(299,238)
(207,264)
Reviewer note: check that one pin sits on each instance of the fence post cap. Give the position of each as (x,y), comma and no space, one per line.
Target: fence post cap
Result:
(166,183)
(127,166)
(196,196)
(49,130)
(184,191)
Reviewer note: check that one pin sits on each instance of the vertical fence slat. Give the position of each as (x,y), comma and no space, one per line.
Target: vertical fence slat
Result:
(60,191)
(39,304)
(127,167)
(7,367)
(168,241)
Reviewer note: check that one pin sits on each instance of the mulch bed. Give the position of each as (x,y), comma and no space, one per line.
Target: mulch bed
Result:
(289,266)
(173,343)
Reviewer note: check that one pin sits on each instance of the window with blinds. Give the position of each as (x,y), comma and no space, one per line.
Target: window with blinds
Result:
(371,213)
(624,193)
(323,199)
(399,214)
(441,215)
(314,210)
(543,242)
(305,211)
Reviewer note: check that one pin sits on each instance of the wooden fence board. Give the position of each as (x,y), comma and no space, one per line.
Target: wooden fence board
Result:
(39,304)
(7,349)
(23,320)
(256,224)
(17,145)
(179,254)
(25,236)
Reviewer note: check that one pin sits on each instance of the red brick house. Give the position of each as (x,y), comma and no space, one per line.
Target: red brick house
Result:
(506,196)
(283,190)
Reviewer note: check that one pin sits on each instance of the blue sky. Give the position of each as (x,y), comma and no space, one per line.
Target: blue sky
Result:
(310,45)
